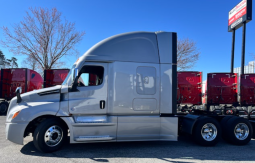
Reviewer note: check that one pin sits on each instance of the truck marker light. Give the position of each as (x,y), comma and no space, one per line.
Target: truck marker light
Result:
(15,114)
(77,60)
(229,112)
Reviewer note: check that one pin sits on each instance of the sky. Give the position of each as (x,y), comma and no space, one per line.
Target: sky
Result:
(204,21)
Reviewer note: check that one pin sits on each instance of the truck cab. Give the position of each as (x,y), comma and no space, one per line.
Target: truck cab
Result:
(119,90)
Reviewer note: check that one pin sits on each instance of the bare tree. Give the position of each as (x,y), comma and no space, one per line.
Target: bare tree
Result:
(31,63)
(43,36)
(187,54)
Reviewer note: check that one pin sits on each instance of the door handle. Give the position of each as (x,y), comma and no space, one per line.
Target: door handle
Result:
(102,104)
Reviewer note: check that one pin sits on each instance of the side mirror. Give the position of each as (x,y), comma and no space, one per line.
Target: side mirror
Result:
(18,92)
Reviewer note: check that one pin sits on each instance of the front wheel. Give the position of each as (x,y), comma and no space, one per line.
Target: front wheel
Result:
(50,135)
(207,132)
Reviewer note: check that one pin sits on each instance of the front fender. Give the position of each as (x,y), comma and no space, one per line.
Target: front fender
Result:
(15,128)
(31,110)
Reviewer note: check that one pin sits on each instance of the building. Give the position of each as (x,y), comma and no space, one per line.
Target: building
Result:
(248,69)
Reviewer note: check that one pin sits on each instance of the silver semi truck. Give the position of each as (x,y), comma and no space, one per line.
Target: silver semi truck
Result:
(122,89)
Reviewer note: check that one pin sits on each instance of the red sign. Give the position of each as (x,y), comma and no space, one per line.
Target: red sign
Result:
(239,14)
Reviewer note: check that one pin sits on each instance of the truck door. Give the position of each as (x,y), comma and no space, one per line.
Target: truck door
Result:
(91,95)
(89,106)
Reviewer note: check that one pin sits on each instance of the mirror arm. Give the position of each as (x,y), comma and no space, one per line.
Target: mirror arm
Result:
(74,85)
(75,82)
(18,91)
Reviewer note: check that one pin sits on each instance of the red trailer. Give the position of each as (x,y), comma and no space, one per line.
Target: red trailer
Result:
(54,77)
(189,89)
(10,79)
(221,89)
(247,90)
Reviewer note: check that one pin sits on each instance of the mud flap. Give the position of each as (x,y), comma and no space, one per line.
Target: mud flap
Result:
(253,126)
(188,123)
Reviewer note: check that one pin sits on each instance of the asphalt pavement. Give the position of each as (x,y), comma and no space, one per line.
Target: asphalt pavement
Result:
(182,151)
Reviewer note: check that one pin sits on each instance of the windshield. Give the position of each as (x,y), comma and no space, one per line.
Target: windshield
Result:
(70,77)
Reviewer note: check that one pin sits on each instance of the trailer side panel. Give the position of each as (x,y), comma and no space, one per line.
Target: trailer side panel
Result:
(221,88)
(247,89)
(189,89)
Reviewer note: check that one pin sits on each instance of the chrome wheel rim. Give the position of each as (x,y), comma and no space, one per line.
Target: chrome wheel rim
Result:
(241,131)
(53,136)
(3,108)
(209,132)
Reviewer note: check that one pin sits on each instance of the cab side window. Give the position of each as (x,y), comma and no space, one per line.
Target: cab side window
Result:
(91,76)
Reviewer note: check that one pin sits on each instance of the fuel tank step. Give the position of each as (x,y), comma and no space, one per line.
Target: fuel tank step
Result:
(93,138)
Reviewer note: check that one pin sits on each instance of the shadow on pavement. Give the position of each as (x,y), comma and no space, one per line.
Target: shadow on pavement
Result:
(183,149)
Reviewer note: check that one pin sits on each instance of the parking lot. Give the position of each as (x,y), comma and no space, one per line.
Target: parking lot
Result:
(183,151)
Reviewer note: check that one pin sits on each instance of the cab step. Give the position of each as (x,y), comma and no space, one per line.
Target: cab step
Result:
(93,138)
(92,124)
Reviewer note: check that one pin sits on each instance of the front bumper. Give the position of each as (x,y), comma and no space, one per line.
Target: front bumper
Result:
(15,132)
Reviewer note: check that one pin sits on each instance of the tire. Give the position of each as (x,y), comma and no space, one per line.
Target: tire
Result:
(4,107)
(207,132)
(239,131)
(50,128)
(208,107)
(223,125)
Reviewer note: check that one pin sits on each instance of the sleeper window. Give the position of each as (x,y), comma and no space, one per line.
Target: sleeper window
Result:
(91,76)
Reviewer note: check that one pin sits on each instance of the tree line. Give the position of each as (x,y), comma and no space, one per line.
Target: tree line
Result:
(8,63)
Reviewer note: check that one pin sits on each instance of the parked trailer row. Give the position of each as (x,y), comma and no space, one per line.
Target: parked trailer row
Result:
(54,77)
(224,94)
(132,97)
(28,80)
(10,79)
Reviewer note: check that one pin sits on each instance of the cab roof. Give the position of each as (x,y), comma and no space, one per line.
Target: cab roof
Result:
(143,47)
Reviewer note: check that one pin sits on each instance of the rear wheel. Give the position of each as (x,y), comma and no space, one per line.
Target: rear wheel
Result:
(3,107)
(239,131)
(206,132)
(50,135)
